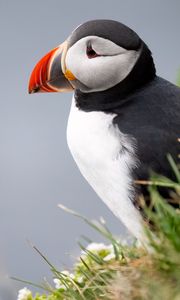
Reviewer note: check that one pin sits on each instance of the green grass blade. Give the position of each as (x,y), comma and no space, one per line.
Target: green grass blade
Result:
(174,167)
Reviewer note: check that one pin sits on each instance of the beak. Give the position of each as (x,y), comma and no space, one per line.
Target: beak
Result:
(50,74)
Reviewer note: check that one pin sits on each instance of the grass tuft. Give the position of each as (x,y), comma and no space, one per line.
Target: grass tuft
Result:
(119,271)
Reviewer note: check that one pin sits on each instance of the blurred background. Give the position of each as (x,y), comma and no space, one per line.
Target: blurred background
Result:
(36,169)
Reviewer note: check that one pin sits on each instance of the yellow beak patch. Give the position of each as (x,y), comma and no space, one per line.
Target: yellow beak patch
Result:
(69,75)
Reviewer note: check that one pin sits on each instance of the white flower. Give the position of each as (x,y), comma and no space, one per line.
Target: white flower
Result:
(68,274)
(109,257)
(98,247)
(80,279)
(24,294)
(58,284)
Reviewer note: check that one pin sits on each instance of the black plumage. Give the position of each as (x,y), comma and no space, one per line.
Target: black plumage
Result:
(152,117)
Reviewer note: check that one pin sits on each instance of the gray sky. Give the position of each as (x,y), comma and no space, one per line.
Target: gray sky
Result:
(37,171)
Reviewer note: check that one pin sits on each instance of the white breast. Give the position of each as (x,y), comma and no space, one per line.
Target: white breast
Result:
(105,157)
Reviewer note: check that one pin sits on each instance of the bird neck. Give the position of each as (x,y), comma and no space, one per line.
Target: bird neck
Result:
(142,73)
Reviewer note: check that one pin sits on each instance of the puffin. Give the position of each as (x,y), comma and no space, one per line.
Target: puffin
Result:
(123,120)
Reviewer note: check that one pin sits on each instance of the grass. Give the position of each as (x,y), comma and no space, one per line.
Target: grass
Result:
(178,78)
(118,271)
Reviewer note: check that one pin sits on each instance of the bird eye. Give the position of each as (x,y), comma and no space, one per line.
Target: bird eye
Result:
(91,53)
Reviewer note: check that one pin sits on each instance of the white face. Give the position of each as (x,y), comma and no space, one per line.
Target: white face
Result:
(98,63)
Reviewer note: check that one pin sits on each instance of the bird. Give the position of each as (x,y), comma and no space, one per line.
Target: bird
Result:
(124,118)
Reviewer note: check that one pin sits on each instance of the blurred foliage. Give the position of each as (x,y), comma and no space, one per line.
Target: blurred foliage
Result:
(178,78)
(120,271)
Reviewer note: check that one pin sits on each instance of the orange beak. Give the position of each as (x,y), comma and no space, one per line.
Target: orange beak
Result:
(50,74)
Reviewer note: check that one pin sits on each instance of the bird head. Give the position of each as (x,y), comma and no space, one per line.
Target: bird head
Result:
(97,56)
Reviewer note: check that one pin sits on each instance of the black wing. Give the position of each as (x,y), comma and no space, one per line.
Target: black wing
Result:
(152,117)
